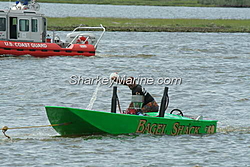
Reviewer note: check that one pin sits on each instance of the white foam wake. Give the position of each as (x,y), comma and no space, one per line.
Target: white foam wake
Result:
(94,96)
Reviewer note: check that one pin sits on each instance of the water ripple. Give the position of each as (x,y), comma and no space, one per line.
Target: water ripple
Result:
(123,11)
(215,84)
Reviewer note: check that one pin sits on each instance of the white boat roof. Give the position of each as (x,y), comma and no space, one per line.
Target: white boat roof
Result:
(73,34)
(21,12)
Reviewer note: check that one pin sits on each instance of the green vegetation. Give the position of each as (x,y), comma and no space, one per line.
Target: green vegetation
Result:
(226,3)
(152,25)
(197,3)
(223,3)
(133,2)
(129,2)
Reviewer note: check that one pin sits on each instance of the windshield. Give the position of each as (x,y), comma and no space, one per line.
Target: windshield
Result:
(2,24)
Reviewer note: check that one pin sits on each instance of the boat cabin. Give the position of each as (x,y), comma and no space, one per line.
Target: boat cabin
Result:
(22,25)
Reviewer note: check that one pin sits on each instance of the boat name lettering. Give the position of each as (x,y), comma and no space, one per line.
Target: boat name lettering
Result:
(37,45)
(210,129)
(26,45)
(153,128)
(8,44)
(184,129)
(22,45)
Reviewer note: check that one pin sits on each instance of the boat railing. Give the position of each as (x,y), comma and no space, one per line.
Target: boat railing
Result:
(86,40)
(76,37)
(80,27)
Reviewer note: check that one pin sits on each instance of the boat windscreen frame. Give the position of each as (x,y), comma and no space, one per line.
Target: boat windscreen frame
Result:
(3,27)
(3,24)
(44,29)
(80,27)
(13,27)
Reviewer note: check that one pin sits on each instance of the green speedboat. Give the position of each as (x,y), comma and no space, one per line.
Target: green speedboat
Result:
(76,122)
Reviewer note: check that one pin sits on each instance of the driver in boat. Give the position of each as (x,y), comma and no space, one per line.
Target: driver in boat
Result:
(149,103)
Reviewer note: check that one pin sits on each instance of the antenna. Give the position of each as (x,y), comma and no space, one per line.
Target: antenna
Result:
(9,3)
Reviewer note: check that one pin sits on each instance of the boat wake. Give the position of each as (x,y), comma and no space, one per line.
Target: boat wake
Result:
(126,56)
(230,129)
(93,99)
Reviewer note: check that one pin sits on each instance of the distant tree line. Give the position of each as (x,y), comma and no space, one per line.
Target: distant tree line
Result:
(226,3)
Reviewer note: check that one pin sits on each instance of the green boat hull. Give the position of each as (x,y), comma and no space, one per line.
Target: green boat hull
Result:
(74,122)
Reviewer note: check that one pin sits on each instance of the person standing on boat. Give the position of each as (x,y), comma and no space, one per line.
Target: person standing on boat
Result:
(149,103)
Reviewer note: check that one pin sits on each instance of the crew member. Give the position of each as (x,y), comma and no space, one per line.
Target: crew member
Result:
(149,103)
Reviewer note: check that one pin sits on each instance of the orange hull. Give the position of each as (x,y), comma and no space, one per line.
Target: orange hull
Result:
(44,49)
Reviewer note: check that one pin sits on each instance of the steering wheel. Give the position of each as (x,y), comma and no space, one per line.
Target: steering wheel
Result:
(177,110)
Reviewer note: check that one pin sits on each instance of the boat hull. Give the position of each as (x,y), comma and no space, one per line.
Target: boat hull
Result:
(44,49)
(75,122)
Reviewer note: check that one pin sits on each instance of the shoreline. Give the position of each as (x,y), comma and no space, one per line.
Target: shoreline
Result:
(186,3)
(151,25)
(156,29)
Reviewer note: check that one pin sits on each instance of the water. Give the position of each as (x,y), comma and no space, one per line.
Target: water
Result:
(214,68)
(123,11)
(94,96)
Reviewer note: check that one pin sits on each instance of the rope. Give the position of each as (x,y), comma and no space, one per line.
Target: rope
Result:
(119,106)
(5,128)
(26,127)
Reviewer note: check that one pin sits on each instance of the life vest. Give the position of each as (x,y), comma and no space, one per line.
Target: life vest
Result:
(81,39)
(130,111)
